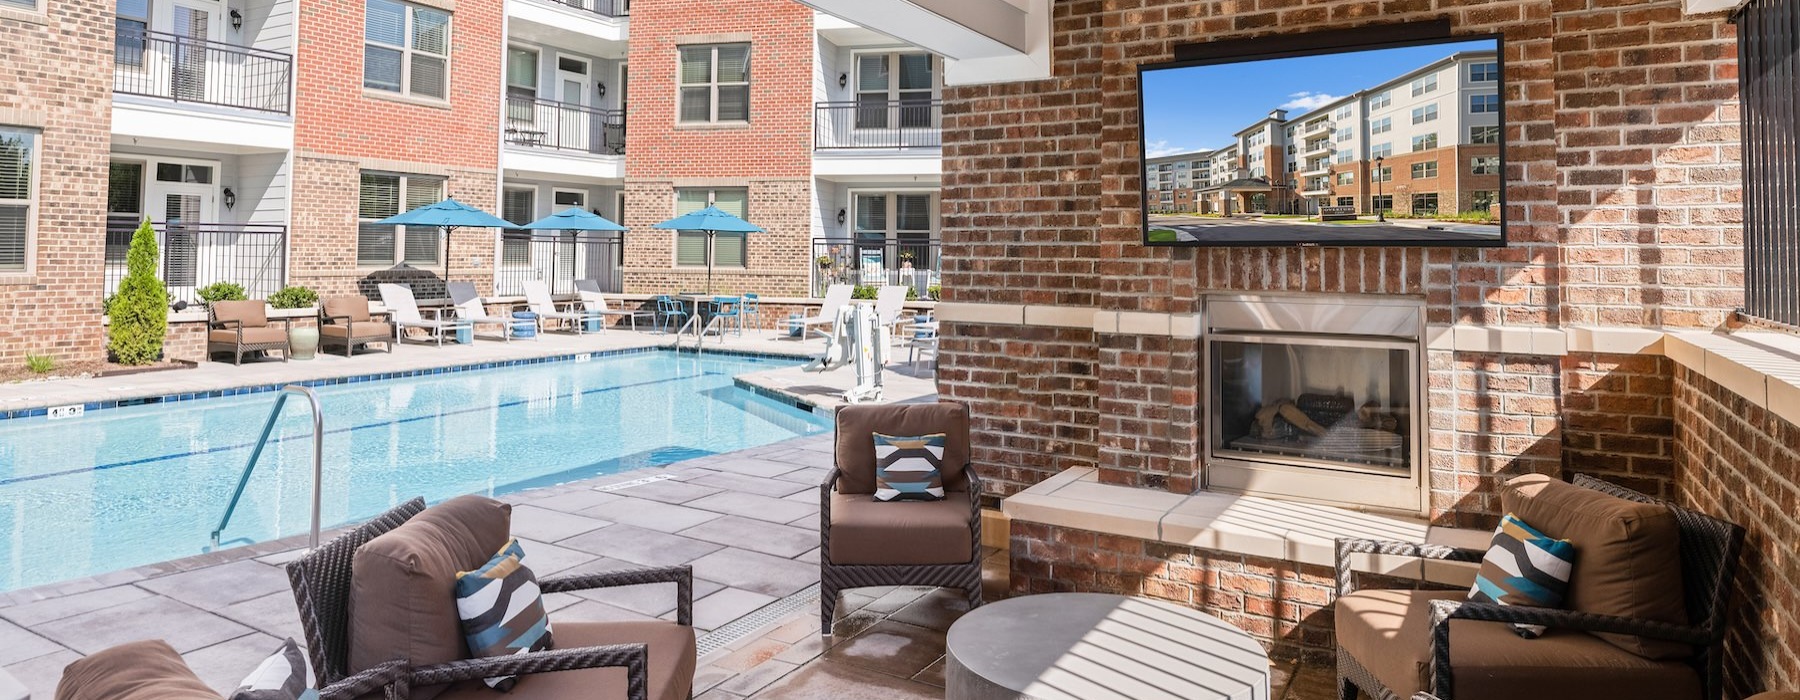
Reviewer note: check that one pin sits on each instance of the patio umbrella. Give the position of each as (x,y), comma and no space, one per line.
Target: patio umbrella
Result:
(575,219)
(447,215)
(712,221)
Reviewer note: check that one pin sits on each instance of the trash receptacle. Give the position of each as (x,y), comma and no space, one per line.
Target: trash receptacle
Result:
(465,335)
(794,326)
(525,330)
(592,324)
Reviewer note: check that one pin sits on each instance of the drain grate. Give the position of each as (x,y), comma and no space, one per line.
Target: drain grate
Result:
(756,620)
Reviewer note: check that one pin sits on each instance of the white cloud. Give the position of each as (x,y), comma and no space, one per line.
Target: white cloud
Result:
(1161,147)
(1309,100)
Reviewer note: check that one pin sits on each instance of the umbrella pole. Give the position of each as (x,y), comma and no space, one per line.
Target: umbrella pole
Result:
(710,235)
(447,230)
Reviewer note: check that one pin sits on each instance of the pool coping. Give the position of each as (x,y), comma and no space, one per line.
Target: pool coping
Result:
(36,411)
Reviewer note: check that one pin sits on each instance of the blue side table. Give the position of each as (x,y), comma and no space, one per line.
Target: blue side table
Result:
(525,330)
(794,326)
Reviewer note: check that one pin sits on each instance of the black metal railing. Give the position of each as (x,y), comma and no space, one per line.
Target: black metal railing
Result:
(873,261)
(558,260)
(1771,123)
(172,67)
(878,124)
(604,8)
(564,126)
(194,255)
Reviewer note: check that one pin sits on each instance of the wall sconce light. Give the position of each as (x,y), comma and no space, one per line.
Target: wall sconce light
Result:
(601,88)
(843,215)
(843,79)
(230,198)
(237,19)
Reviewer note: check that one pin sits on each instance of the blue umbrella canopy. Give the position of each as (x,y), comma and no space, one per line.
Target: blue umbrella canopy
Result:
(447,215)
(712,221)
(575,219)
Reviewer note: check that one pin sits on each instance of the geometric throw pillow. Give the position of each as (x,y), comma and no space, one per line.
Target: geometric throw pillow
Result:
(1524,567)
(279,677)
(908,468)
(502,610)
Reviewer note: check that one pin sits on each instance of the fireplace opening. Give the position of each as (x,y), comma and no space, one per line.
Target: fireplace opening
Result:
(1315,397)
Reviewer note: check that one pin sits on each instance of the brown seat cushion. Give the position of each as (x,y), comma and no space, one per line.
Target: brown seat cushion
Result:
(1389,633)
(251,312)
(671,668)
(866,531)
(1627,555)
(402,584)
(252,336)
(1774,696)
(364,329)
(146,670)
(857,425)
(355,306)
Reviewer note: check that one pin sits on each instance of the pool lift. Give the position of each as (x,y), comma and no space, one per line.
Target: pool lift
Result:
(857,337)
(318,460)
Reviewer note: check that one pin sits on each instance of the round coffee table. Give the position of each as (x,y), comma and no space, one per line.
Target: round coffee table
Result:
(1086,646)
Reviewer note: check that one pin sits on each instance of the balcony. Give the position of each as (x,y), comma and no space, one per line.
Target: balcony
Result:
(615,9)
(193,71)
(564,126)
(198,254)
(913,262)
(558,259)
(890,124)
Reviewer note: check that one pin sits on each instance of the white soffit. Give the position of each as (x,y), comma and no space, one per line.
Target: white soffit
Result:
(983,41)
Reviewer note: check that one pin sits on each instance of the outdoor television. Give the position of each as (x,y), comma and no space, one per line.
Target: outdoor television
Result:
(1390,136)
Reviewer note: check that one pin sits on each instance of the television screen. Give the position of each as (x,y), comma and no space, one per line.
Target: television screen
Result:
(1400,142)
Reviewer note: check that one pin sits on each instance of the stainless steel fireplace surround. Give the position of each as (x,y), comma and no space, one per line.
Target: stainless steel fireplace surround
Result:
(1316,397)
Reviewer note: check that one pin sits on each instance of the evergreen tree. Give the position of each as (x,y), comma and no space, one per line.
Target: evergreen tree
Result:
(139,315)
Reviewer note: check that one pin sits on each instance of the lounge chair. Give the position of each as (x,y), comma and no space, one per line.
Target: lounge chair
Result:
(537,298)
(345,321)
(243,326)
(470,309)
(593,303)
(836,296)
(404,311)
(890,300)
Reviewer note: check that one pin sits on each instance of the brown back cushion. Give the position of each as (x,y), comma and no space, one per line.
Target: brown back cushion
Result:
(1627,555)
(252,312)
(356,306)
(402,584)
(857,425)
(146,670)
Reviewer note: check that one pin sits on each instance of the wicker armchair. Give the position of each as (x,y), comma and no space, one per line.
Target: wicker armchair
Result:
(937,525)
(238,327)
(346,321)
(1708,554)
(322,582)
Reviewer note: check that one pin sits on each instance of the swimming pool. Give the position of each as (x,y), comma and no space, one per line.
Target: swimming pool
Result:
(135,485)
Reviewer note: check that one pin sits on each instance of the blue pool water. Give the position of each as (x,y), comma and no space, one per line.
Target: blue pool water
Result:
(135,485)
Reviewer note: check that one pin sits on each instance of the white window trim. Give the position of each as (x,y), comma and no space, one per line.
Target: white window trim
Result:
(1496,73)
(537,68)
(406,53)
(500,255)
(1491,98)
(1415,169)
(711,197)
(1475,167)
(892,232)
(712,84)
(1419,142)
(567,190)
(1495,142)
(28,266)
(399,229)
(1425,113)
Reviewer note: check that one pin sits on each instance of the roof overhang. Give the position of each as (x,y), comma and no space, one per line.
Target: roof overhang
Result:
(983,41)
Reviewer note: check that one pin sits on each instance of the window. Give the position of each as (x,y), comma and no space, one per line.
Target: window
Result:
(907,220)
(1484,72)
(1382,174)
(1345,156)
(27,4)
(1342,113)
(1767,84)
(1346,178)
(1381,150)
(1346,201)
(1479,104)
(1381,126)
(1426,203)
(406,49)
(384,195)
(1424,142)
(125,189)
(518,205)
(1424,170)
(1343,134)
(132,17)
(1381,99)
(1484,199)
(181,172)
(1424,114)
(18,196)
(1479,135)
(715,83)
(1384,202)
(1485,165)
(1424,85)
(894,87)
(729,249)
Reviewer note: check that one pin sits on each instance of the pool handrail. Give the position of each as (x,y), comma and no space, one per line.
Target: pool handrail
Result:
(318,461)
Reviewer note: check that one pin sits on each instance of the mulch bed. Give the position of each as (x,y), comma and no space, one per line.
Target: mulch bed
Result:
(82,370)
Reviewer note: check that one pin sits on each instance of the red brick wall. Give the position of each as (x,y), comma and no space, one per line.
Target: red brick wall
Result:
(59,78)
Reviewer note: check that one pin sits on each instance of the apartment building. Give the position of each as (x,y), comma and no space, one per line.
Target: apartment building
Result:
(263,137)
(1421,143)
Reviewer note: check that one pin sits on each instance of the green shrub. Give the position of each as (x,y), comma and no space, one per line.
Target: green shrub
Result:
(934,291)
(39,364)
(863,291)
(293,298)
(912,294)
(221,291)
(140,313)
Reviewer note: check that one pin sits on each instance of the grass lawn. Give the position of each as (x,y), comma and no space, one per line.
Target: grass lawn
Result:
(1286,216)
(1163,235)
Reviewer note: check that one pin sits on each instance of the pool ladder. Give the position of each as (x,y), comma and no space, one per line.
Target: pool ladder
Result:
(318,460)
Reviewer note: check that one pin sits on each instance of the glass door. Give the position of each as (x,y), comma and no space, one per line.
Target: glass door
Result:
(185,54)
(577,130)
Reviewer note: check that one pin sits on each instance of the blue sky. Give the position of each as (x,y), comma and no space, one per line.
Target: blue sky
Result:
(1187,109)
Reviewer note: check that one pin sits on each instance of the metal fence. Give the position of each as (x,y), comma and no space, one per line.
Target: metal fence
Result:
(890,124)
(1767,45)
(194,255)
(558,260)
(876,261)
(564,126)
(605,8)
(173,67)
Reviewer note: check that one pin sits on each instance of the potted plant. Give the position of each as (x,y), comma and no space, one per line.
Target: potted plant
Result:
(221,291)
(906,259)
(303,341)
(824,262)
(138,316)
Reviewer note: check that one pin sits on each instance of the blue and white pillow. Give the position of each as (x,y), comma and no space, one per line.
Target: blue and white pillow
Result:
(1524,567)
(502,610)
(909,468)
(279,677)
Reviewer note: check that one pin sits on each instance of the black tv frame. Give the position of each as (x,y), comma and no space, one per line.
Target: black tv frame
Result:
(1334,41)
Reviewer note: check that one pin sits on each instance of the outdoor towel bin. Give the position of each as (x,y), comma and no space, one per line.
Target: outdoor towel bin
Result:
(465,335)
(525,330)
(592,324)
(795,326)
